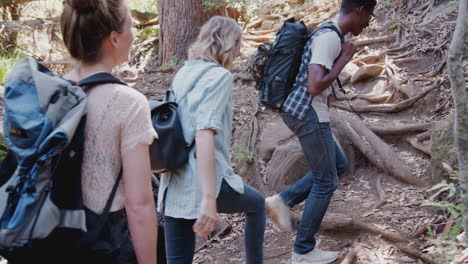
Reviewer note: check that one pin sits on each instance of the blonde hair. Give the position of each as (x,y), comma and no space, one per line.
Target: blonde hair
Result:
(86,23)
(218,41)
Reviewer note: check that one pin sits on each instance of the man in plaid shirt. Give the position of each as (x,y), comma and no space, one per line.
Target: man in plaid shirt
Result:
(305,112)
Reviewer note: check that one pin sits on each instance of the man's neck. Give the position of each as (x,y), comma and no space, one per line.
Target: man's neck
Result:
(343,23)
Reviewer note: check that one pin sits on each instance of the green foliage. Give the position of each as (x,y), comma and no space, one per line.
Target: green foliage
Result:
(247,155)
(386,3)
(446,197)
(174,61)
(146,33)
(247,9)
(452,3)
(144,5)
(7,61)
(394,24)
(3,149)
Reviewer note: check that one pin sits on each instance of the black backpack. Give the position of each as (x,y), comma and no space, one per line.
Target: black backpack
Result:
(276,64)
(170,151)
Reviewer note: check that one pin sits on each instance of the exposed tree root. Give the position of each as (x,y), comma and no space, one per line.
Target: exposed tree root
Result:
(393,81)
(376,151)
(365,42)
(380,193)
(443,104)
(400,130)
(396,49)
(424,136)
(375,99)
(390,108)
(423,148)
(260,39)
(351,256)
(261,32)
(333,223)
(404,60)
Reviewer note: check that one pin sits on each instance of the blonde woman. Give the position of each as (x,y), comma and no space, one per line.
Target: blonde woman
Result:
(191,197)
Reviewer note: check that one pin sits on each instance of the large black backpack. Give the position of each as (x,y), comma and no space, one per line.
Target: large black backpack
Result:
(276,64)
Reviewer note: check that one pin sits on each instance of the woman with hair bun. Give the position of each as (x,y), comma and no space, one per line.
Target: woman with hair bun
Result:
(98,34)
(191,197)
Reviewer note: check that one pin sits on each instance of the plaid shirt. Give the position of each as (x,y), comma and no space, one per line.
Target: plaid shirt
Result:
(299,100)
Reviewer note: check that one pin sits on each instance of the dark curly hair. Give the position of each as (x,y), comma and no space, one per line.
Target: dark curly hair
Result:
(348,5)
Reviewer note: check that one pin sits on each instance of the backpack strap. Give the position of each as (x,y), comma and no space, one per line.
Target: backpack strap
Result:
(103,218)
(206,70)
(328,25)
(341,36)
(100,78)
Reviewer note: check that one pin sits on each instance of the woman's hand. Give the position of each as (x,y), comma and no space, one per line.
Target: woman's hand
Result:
(206,222)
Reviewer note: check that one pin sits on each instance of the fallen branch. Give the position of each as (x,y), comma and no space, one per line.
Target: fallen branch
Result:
(389,108)
(415,253)
(365,42)
(374,149)
(400,130)
(222,228)
(422,230)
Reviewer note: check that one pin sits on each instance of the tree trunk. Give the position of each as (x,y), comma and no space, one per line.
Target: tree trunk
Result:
(457,81)
(180,22)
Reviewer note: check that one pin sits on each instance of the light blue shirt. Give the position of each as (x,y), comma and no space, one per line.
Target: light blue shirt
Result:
(207,106)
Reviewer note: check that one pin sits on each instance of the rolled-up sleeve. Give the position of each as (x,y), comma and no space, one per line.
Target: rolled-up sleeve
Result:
(208,103)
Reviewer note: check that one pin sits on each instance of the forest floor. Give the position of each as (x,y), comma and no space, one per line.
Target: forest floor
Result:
(373,214)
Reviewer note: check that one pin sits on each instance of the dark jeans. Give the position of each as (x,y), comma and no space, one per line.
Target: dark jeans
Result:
(327,162)
(180,238)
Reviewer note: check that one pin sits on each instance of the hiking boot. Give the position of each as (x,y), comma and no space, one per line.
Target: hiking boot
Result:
(316,256)
(279,212)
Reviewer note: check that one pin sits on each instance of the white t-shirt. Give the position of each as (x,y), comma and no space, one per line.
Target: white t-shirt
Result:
(326,47)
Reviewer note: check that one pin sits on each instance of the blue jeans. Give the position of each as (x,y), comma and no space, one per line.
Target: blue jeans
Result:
(180,238)
(327,162)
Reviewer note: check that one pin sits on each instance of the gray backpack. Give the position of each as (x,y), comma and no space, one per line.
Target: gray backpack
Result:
(40,178)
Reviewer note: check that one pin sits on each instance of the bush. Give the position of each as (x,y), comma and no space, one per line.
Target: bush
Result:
(7,61)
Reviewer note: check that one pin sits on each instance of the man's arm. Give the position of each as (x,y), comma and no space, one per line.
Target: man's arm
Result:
(319,78)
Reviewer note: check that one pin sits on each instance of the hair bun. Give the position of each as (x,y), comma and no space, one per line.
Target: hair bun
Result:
(86,6)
